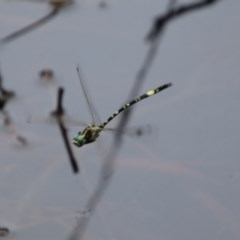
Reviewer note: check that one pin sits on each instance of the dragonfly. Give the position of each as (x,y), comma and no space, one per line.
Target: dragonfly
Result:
(92,132)
(47,76)
(59,116)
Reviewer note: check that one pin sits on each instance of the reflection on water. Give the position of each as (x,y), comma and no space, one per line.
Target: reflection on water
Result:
(172,188)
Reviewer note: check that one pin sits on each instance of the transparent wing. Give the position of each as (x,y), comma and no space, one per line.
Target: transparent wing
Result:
(47,77)
(51,119)
(132,131)
(95,116)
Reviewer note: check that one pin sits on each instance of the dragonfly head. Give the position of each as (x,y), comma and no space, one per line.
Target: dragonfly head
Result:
(79,140)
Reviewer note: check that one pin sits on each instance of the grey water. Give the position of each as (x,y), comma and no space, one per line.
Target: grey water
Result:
(182,184)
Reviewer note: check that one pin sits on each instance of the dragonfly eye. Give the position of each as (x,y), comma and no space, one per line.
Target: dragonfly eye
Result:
(79,140)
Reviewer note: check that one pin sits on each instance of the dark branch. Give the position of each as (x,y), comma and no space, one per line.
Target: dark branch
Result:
(30,27)
(6,94)
(72,159)
(2,103)
(161,21)
(58,113)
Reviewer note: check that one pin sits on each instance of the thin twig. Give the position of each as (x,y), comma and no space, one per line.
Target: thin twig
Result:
(2,103)
(72,159)
(30,27)
(58,113)
(162,20)
(8,122)
(6,94)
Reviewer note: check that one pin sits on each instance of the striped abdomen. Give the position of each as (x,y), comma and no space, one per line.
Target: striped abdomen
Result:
(128,105)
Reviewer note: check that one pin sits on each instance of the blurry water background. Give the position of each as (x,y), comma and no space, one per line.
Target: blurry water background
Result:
(180,183)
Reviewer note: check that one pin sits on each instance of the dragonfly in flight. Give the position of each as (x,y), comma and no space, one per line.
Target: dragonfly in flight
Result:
(91,132)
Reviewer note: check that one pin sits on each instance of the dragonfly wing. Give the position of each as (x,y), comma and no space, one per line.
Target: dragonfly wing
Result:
(95,116)
(132,131)
(51,119)
(73,122)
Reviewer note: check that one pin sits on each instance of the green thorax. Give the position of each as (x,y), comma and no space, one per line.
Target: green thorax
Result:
(88,135)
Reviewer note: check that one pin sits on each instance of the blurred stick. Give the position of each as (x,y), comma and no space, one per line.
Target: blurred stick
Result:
(6,94)
(174,13)
(2,103)
(4,231)
(9,123)
(58,113)
(107,169)
(56,5)
(30,27)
